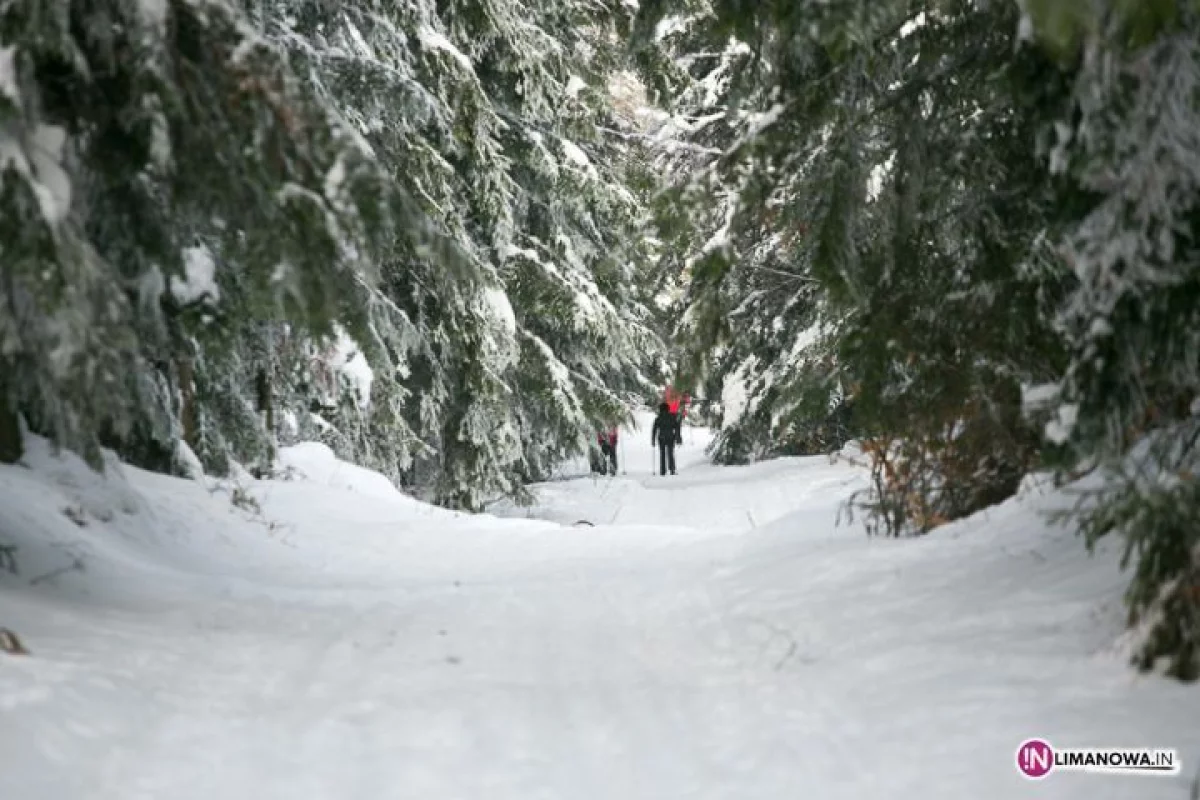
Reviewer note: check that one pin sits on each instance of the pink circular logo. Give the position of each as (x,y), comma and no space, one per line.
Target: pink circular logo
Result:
(1035,758)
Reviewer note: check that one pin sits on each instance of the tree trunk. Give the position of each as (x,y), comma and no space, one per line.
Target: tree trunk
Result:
(266,406)
(187,395)
(11,446)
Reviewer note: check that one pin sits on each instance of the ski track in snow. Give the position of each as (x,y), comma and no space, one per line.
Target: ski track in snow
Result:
(714,636)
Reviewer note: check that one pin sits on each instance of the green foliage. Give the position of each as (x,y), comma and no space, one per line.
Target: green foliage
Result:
(1154,498)
(995,239)
(837,214)
(115,119)
(1063,26)
(1127,400)
(236,225)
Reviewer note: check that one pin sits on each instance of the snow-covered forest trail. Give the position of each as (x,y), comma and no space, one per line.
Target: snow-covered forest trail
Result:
(713,636)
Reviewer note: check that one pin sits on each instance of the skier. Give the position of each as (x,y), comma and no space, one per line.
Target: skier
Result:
(665,434)
(672,399)
(608,448)
(677,405)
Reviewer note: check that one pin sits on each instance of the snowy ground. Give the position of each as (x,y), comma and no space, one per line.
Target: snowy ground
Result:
(713,636)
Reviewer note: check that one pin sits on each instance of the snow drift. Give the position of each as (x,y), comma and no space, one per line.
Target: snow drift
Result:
(714,636)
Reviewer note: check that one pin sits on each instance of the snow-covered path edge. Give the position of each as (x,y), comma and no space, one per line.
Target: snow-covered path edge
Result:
(714,636)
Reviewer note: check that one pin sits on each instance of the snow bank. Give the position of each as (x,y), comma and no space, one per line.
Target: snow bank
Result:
(315,463)
(125,535)
(91,537)
(908,668)
(710,635)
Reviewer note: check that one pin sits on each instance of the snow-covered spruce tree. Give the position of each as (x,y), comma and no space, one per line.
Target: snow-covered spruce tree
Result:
(165,179)
(748,314)
(559,226)
(576,259)
(878,167)
(1130,140)
(486,112)
(947,314)
(415,102)
(934,253)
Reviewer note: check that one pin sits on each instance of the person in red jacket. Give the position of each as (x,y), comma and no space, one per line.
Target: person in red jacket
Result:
(677,406)
(672,399)
(607,439)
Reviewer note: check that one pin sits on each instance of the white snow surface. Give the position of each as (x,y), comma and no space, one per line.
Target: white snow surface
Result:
(714,635)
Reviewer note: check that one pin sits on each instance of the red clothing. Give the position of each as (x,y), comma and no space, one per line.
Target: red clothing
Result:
(675,402)
(672,399)
(607,437)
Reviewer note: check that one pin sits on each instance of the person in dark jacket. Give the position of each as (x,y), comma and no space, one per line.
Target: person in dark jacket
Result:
(664,434)
(608,449)
(677,404)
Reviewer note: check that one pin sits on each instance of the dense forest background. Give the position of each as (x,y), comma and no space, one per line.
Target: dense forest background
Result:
(451,237)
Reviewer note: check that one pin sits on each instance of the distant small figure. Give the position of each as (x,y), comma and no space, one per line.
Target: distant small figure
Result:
(665,434)
(608,450)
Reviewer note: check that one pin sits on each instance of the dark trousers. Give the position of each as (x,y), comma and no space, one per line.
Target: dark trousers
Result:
(610,455)
(666,457)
